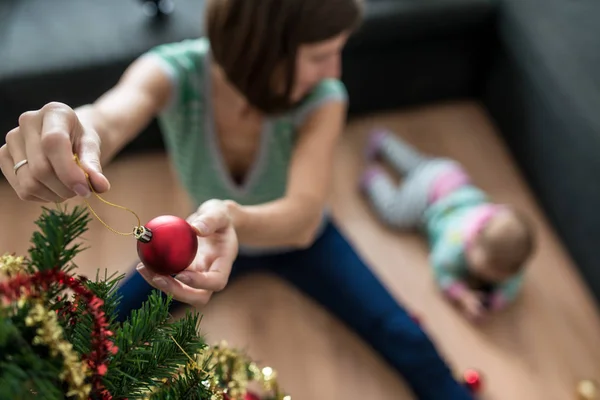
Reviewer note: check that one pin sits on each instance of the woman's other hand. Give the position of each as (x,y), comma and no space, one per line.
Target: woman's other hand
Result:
(209,272)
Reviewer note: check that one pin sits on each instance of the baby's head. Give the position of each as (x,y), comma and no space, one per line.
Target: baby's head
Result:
(501,245)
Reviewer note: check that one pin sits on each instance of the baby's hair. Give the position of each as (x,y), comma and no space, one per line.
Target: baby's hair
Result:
(510,248)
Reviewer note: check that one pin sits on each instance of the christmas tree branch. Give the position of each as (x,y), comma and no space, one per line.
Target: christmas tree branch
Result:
(58,229)
(190,384)
(25,368)
(78,325)
(148,351)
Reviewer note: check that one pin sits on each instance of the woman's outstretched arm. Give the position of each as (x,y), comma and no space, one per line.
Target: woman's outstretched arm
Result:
(294,219)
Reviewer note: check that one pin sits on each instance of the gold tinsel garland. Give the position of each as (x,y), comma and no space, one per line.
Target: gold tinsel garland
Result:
(240,371)
(10,265)
(49,333)
(229,373)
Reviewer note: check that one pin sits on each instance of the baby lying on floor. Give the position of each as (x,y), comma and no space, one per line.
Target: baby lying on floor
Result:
(478,249)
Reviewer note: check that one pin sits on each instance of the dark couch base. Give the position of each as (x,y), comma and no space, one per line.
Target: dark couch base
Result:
(429,70)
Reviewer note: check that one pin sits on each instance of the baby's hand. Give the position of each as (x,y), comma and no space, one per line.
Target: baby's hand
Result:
(472,305)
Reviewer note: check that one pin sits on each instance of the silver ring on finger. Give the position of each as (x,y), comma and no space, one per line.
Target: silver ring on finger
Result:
(19,165)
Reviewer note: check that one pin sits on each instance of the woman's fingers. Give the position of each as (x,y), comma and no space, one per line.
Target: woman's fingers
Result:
(215,279)
(6,165)
(41,169)
(25,184)
(44,141)
(211,217)
(52,147)
(180,291)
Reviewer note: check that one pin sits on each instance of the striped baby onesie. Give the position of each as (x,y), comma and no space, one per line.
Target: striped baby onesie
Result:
(436,198)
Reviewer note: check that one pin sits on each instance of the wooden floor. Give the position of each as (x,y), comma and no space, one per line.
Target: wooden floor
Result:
(538,350)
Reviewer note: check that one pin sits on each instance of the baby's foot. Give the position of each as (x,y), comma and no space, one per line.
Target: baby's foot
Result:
(370,173)
(374,143)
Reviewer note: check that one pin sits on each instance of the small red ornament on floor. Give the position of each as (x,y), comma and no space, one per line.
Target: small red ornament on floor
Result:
(472,380)
(415,319)
(167,244)
(247,396)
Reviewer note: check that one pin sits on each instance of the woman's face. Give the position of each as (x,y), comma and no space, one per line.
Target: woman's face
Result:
(317,61)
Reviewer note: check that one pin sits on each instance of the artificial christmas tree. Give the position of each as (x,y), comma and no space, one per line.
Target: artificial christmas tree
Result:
(59,338)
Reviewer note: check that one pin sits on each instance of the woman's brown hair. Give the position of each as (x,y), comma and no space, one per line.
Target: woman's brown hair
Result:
(255,40)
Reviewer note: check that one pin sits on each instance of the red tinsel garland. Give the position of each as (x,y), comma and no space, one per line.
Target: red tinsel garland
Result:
(34,286)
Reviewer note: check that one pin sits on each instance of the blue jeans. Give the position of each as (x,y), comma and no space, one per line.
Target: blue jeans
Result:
(333,274)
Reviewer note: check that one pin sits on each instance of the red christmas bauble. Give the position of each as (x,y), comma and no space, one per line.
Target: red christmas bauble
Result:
(168,246)
(472,380)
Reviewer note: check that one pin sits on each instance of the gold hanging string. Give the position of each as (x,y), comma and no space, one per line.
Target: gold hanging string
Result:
(137,230)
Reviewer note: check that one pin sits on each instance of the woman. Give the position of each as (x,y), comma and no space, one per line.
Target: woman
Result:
(251,115)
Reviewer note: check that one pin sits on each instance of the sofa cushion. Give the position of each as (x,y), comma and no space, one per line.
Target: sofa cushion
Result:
(73,51)
(544,94)
(558,44)
(41,36)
